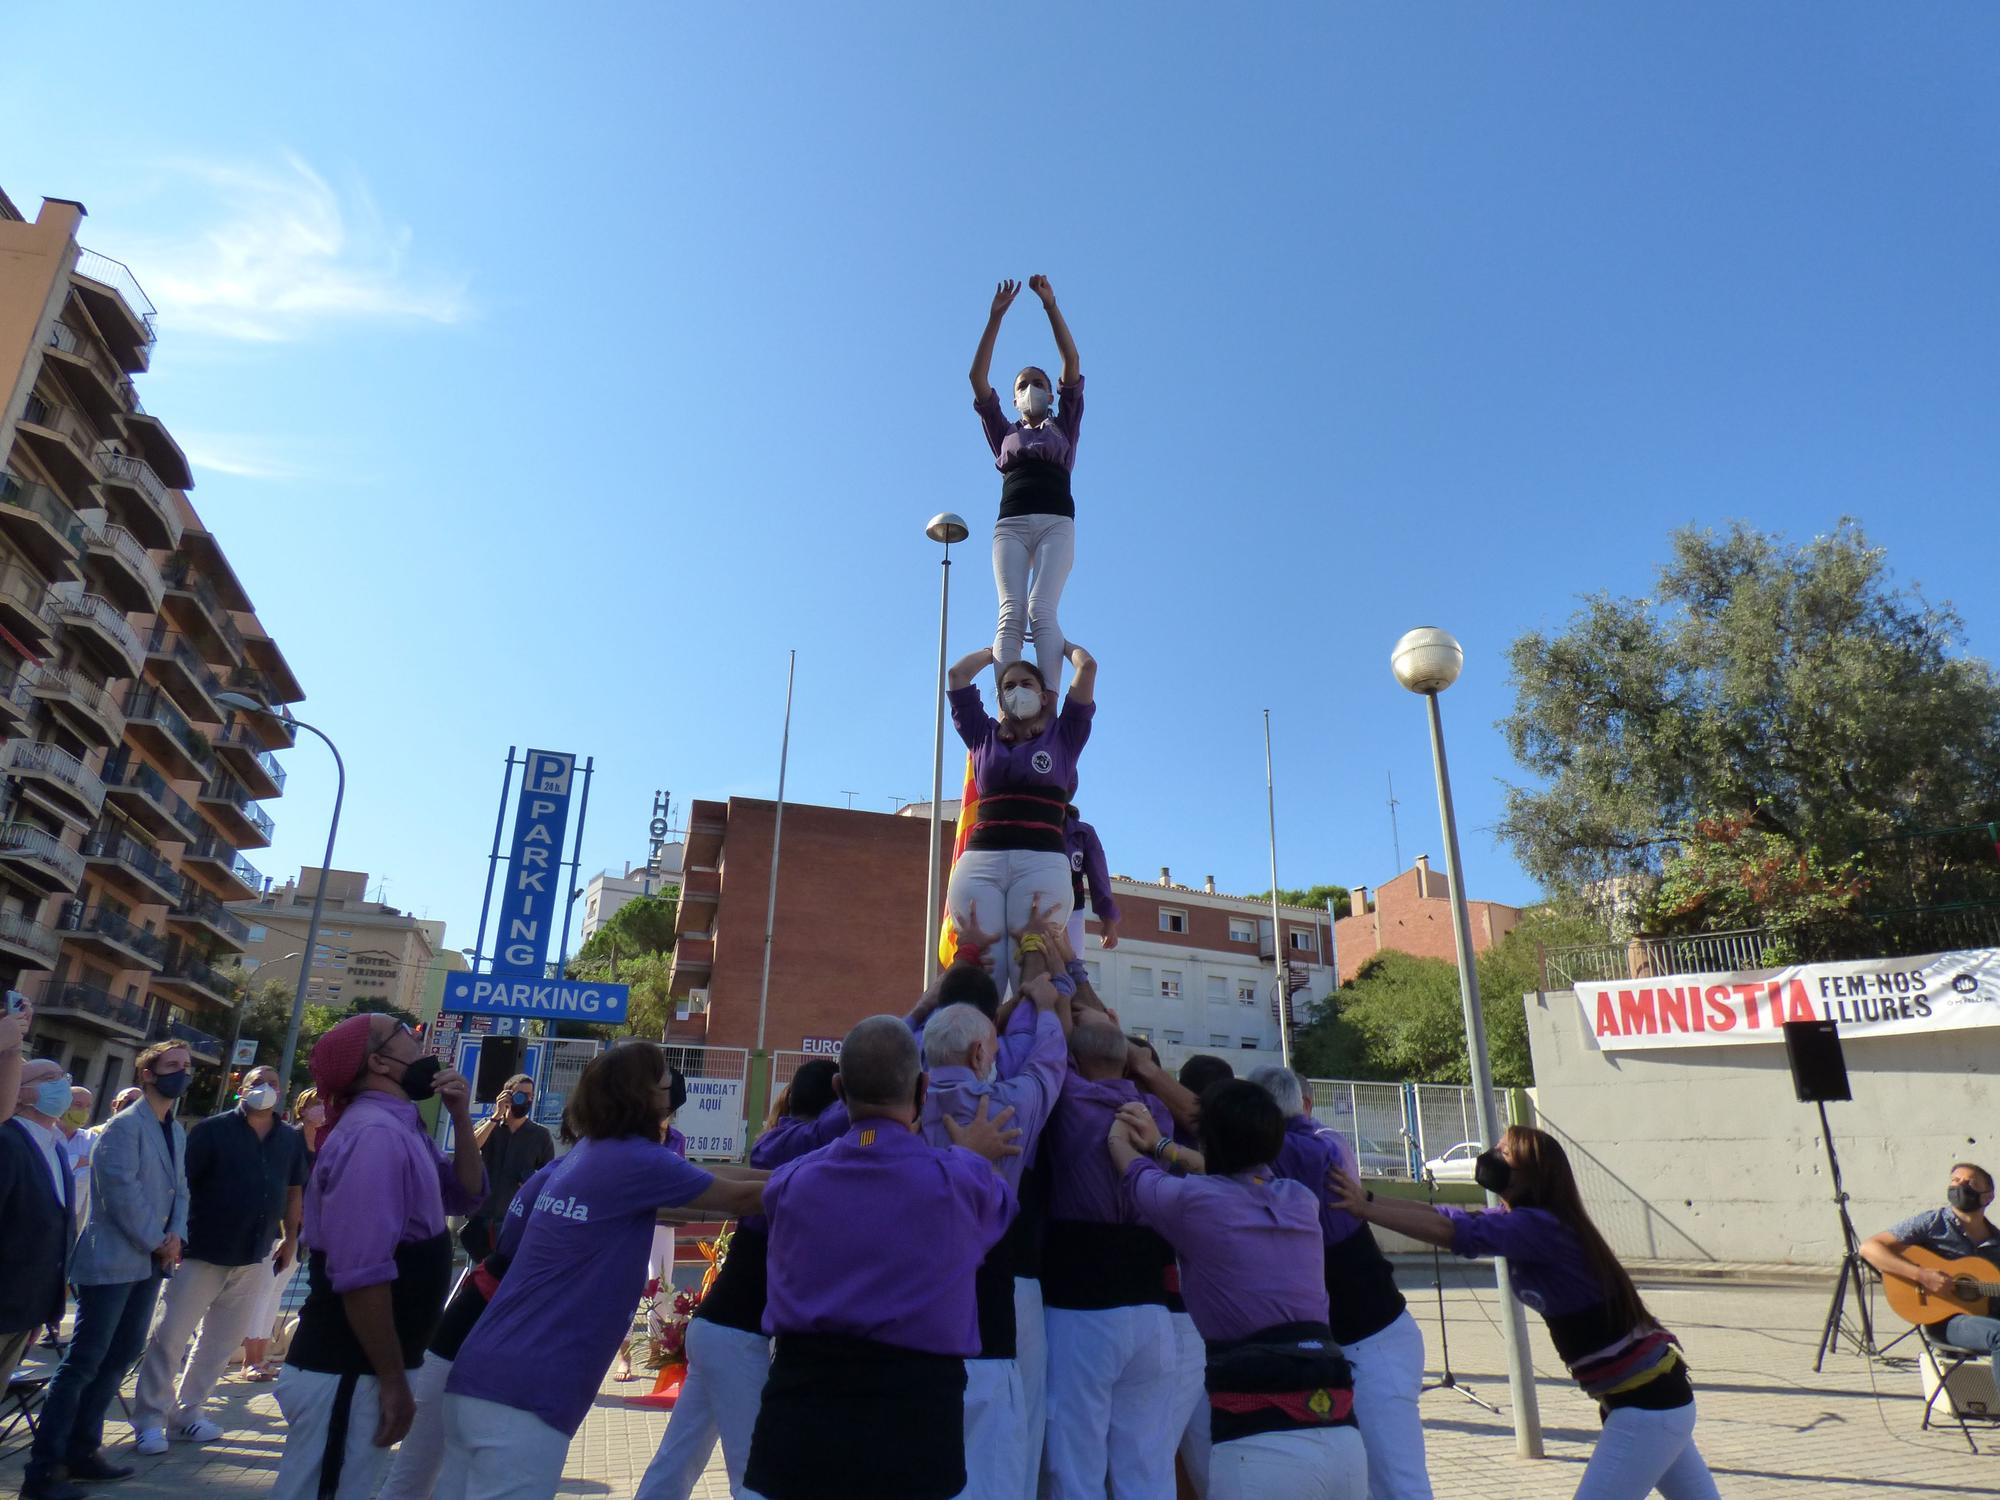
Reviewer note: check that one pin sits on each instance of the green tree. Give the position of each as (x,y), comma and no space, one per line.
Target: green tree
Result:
(1315,896)
(267,1015)
(645,924)
(1768,707)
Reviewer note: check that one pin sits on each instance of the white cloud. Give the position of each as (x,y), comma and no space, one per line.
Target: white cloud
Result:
(246,456)
(281,254)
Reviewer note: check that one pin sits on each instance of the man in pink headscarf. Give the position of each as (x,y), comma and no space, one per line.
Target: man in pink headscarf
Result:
(381,1259)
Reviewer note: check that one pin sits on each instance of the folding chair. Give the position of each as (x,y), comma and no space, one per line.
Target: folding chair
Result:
(1961,1378)
(25,1390)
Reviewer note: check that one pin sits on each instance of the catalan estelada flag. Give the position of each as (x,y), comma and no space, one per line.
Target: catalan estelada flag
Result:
(968,814)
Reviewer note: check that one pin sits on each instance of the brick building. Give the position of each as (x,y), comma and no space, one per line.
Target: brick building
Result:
(1412,914)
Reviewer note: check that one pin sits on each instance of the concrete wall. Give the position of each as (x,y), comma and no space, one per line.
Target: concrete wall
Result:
(1703,1153)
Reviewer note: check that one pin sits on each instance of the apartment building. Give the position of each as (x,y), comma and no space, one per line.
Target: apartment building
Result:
(367,950)
(607,891)
(128,793)
(1412,914)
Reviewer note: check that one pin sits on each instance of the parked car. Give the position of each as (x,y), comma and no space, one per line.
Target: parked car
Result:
(1381,1158)
(1456,1164)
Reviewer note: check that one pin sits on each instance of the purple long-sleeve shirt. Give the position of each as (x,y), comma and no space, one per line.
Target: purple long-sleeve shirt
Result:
(1248,1246)
(1054,441)
(1086,858)
(1044,765)
(878,1236)
(1311,1148)
(1016,1044)
(1544,1257)
(1030,1091)
(378,1182)
(1082,1184)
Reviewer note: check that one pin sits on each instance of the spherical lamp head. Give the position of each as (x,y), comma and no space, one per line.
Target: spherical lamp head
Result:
(947,527)
(1427,660)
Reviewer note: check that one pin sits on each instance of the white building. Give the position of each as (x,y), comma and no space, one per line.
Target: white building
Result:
(606,892)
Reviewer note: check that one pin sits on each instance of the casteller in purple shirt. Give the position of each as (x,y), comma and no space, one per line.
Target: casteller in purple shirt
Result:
(1043,766)
(1087,862)
(379,1182)
(1083,1185)
(1052,441)
(1030,1091)
(1360,1282)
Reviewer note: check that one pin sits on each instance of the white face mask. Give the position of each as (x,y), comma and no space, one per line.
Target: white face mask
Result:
(263,1096)
(1032,402)
(1022,702)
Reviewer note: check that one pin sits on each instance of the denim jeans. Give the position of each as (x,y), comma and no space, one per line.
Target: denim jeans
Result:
(111,1323)
(1032,556)
(1968,1332)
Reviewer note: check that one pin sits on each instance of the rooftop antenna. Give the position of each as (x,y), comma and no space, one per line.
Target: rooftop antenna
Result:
(1395,838)
(850,796)
(899,801)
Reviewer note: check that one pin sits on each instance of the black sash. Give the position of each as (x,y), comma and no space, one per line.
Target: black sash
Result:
(1020,820)
(1036,487)
(851,1419)
(468,1301)
(324,1341)
(736,1300)
(993,1290)
(1361,1293)
(1091,1267)
(1280,1379)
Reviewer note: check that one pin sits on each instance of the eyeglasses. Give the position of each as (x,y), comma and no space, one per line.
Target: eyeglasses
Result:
(402,1029)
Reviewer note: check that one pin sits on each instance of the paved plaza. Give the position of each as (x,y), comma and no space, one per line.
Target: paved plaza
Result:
(1771,1429)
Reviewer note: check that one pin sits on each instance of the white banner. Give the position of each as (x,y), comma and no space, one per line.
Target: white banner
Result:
(712,1118)
(1869,997)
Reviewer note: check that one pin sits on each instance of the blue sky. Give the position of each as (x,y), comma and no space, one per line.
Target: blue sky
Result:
(549,372)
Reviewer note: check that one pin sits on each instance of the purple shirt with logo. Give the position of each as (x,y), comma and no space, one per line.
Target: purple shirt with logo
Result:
(378,1182)
(1086,858)
(1248,1246)
(546,1339)
(1030,1090)
(1045,764)
(1545,1258)
(1310,1148)
(1054,441)
(877,1237)
(1082,1184)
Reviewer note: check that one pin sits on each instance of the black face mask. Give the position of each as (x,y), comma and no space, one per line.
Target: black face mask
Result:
(1490,1171)
(1964,1197)
(419,1080)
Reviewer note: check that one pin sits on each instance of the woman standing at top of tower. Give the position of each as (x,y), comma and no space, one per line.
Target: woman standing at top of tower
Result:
(1034,540)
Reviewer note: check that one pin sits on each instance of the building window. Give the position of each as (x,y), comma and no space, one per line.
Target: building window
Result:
(1218,990)
(1172,919)
(1142,981)
(1170,985)
(1304,940)
(1173,1038)
(257,931)
(1242,930)
(1246,991)
(1249,1044)
(1218,1039)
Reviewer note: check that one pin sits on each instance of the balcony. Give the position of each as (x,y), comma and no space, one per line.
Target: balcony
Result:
(236,876)
(140,498)
(38,521)
(241,820)
(206,1046)
(178,666)
(85,708)
(277,733)
(117,566)
(17,694)
(146,798)
(212,918)
(27,943)
(35,858)
(196,977)
(63,444)
(257,767)
(135,870)
(201,609)
(118,306)
(89,372)
(53,778)
(100,627)
(149,435)
(116,939)
(86,1002)
(152,720)
(25,608)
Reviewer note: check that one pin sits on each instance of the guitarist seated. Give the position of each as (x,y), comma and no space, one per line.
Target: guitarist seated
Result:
(1955,1232)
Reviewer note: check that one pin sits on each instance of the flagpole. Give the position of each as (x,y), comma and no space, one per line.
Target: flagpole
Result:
(757,1084)
(1277,930)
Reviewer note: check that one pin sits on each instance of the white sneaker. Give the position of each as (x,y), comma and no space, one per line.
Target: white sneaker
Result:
(152,1441)
(200,1430)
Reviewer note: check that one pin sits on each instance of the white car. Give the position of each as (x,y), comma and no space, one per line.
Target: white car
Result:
(1456,1164)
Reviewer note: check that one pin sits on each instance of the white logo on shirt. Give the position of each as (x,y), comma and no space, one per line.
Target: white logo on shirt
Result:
(1043,762)
(1076,860)
(563,1208)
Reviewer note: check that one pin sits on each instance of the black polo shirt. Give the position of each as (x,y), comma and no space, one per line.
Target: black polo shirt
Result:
(237,1185)
(512,1157)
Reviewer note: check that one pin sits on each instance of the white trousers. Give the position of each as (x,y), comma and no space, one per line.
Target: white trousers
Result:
(221,1300)
(994,892)
(1642,1451)
(495,1452)
(1111,1423)
(1331,1464)
(726,1370)
(420,1455)
(1191,1398)
(264,1316)
(1388,1378)
(306,1398)
(995,1461)
(1032,556)
(1031,1358)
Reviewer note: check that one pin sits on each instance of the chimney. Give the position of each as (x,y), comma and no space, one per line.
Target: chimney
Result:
(1423,875)
(1166,876)
(1208,884)
(1358,904)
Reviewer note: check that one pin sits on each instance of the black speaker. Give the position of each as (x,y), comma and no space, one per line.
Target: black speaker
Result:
(500,1060)
(1819,1067)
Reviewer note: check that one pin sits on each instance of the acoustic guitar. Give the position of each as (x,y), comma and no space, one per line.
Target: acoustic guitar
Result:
(1973,1282)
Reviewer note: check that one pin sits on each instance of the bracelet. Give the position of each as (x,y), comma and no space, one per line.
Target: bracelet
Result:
(1030,943)
(1160,1147)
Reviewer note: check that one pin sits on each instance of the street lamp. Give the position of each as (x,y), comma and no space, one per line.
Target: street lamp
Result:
(249,705)
(1427,661)
(947,528)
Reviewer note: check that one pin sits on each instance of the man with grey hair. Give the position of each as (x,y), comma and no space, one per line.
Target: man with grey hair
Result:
(38,1206)
(1365,1310)
(960,1050)
(875,1242)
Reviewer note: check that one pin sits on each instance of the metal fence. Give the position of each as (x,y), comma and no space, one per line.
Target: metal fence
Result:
(1395,1128)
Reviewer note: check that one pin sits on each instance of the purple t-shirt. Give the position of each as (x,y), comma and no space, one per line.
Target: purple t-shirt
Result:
(1030,1090)
(1310,1148)
(546,1339)
(1044,765)
(1086,858)
(1082,1184)
(1248,1246)
(1054,441)
(1544,1256)
(676,1142)
(877,1237)
(378,1182)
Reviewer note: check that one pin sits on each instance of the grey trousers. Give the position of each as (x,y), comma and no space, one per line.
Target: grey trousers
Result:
(1032,556)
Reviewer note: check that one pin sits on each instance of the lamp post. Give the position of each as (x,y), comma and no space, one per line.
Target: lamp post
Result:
(1427,661)
(250,705)
(947,528)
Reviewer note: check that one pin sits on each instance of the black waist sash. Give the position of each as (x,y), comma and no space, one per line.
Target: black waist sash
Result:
(1091,1267)
(1361,1293)
(993,1289)
(1020,820)
(852,1419)
(461,1313)
(324,1341)
(736,1300)
(1036,487)
(1580,1334)
(1280,1379)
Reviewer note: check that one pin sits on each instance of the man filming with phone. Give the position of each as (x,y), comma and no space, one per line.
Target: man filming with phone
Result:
(1956,1231)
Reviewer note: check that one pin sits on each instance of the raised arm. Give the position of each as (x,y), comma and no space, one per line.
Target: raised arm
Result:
(982,357)
(1083,685)
(1417,1220)
(1065,345)
(965,670)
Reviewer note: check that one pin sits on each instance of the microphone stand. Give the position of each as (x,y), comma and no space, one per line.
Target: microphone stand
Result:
(1447,1381)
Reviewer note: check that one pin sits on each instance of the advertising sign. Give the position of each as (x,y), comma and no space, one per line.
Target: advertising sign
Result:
(1867,997)
(528,894)
(820,1046)
(550,999)
(712,1118)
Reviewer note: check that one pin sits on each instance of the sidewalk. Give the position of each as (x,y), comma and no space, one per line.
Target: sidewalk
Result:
(1770,1428)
